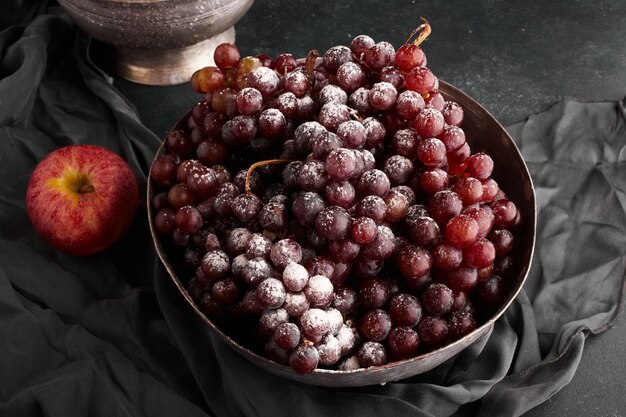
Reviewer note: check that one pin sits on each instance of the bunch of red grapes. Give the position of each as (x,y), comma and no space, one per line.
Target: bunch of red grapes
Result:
(329,210)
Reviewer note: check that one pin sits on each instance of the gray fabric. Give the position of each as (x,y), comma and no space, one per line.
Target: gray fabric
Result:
(109,335)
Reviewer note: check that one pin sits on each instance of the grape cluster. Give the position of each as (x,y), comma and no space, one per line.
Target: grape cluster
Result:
(331,207)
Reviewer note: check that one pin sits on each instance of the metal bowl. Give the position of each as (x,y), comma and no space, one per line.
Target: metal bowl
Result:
(483,132)
(159,42)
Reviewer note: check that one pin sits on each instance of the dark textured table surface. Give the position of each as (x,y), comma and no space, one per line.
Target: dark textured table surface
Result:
(515,58)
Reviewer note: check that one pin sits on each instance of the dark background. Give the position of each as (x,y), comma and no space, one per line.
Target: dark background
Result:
(515,58)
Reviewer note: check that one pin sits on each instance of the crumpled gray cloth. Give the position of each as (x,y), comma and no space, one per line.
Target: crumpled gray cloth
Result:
(109,335)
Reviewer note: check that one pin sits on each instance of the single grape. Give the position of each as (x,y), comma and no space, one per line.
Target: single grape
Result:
(490,190)
(462,279)
(363,230)
(329,350)
(469,189)
(505,213)
(405,142)
(319,291)
(409,56)
(352,133)
(271,293)
(331,115)
(296,82)
(179,195)
(433,331)
(480,165)
(324,144)
(371,354)
(272,123)
(480,254)
(314,324)
(313,176)
(246,207)
(444,205)
(435,100)
(434,180)
(452,137)
(375,132)
(249,101)
(224,101)
(163,171)
(429,123)
(296,303)
(424,231)
(263,79)
(285,251)
(437,299)
(336,56)
(431,152)
(382,96)
(226,55)
(502,240)
(332,94)
(383,245)
(188,219)
(489,295)
(453,113)
(403,342)
(405,310)
(379,55)
(461,231)
(360,44)
(284,63)
(420,80)
(287,335)
(320,265)
(208,305)
(255,271)
(460,324)
(306,207)
(340,193)
(304,358)
(373,293)
(392,76)
(413,262)
(287,104)
(375,325)
(344,299)
(266,60)
(226,292)
(359,100)
(446,257)
(341,164)
(397,206)
(373,207)
(165,222)
(207,80)
(333,223)
(350,76)
(374,182)
(258,246)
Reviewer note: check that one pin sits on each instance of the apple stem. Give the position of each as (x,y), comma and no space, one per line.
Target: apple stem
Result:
(260,164)
(86,188)
(425,30)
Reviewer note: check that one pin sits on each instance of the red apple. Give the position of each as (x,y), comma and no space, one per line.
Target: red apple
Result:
(82,199)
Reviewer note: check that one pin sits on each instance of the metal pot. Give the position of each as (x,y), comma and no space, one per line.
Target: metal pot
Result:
(159,42)
(483,132)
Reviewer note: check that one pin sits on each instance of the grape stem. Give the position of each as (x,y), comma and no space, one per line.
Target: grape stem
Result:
(424,30)
(260,164)
(309,66)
